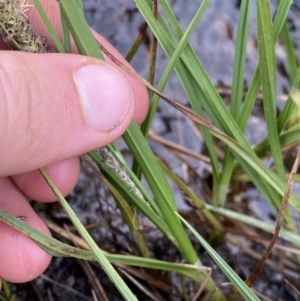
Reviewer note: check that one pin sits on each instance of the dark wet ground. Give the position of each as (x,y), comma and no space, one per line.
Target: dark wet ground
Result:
(213,41)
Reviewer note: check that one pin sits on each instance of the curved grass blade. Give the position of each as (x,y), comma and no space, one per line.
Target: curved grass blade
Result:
(266,47)
(192,94)
(237,94)
(194,77)
(82,34)
(160,188)
(105,264)
(56,248)
(164,197)
(255,168)
(288,235)
(196,202)
(139,203)
(280,17)
(49,26)
(239,284)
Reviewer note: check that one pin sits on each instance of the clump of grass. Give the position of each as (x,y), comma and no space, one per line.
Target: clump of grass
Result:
(226,125)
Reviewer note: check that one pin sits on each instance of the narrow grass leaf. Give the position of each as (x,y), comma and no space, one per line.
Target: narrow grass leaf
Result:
(239,284)
(82,34)
(194,199)
(171,64)
(65,32)
(237,93)
(137,43)
(290,51)
(141,204)
(257,170)
(102,260)
(192,94)
(58,249)
(185,68)
(159,187)
(49,26)
(292,237)
(280,17)
(266,47)
(240,58)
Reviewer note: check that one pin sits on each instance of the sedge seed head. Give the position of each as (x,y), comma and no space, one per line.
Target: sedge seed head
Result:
(16,30)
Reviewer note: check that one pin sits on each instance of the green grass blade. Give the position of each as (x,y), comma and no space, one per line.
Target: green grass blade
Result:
(238,283)
(254,86)
(189,90)
(237,95)
(56,248)
(102,260)
(194,199)
(266,47)
(81,33)
(290,236)
(65,32)
(283,118)
(141,204)
(240,59)
(49,26)
(190,71)
(159,187)
(171,64)
(290,137)
(290,51)
(290,105)
(137,43)
(259,170)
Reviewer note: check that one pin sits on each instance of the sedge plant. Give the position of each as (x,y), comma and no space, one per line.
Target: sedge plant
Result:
(215,121)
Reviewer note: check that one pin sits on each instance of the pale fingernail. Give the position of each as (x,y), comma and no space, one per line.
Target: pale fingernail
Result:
(105,95)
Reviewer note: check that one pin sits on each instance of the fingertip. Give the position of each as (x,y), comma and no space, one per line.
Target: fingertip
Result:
(21,259)
(64,174)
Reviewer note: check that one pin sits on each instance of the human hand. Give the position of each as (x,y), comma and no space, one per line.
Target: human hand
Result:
(53,107)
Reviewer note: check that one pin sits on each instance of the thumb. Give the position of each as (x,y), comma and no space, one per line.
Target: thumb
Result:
(56,106)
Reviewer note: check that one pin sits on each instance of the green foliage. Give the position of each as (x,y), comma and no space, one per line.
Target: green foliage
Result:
(228,125)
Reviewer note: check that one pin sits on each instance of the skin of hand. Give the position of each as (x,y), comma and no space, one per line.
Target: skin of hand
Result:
(54,107)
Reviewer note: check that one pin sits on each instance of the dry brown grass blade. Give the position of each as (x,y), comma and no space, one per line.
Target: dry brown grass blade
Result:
(285,201)
(184,110)
(180,148)
(142,287)
(296,292)
(137,43)
(65,287)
